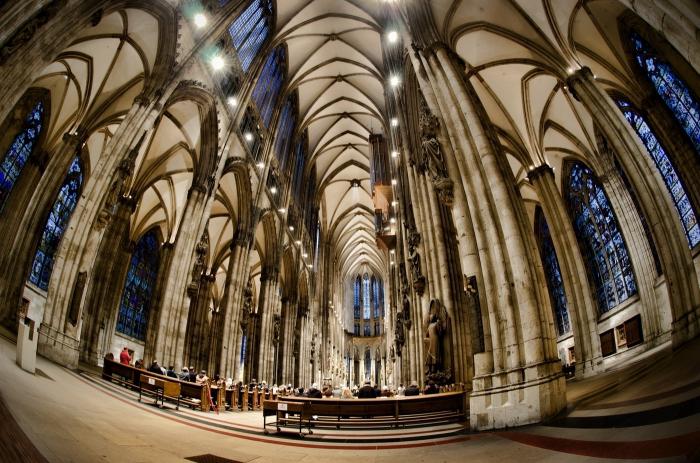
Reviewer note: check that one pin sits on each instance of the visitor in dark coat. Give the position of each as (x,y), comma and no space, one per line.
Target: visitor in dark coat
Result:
(366,391)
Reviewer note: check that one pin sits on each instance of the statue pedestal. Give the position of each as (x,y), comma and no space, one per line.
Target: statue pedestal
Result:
(517,397)
(27,337)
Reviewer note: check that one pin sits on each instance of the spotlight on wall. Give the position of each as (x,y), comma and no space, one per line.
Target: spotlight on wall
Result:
(260,165)
(217,63)
(298,242)
(394,122)
(394,81)
(393,181)
(248,136)
(305,255)
(394,154)
(392,220)
(232,101)
(392,36)
(200,20)
(291,228)
(394,203)
(282,210)
(273,190)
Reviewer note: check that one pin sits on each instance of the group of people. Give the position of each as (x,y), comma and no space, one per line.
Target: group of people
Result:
(366,391)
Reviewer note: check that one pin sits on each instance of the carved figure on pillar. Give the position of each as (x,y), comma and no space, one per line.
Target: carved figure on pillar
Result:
(432,158)
(200,261)
(276,322)
(414,260)
(435,329)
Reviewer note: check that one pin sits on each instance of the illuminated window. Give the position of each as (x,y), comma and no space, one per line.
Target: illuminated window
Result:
(598,233)
(269,85)
(250,30)
(56,225)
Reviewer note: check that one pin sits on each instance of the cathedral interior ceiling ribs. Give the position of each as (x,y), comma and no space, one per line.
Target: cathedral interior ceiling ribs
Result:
(519,54)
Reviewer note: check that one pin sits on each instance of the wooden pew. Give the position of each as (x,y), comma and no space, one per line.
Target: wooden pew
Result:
(160,388)
(287,415)
(195,395)
(432,409)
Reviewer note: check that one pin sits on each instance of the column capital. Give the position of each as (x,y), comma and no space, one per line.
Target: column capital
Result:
(539,171)
(577,78)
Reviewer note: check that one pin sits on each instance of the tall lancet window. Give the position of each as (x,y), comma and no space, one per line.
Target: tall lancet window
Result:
(666,169)
(376,299)
(671,88)
(285,131)
(552,272)
(598,233)
(56,225)
(250,30)
(365,297)
(357,297)
(21,147)
(268,87)
(140,282)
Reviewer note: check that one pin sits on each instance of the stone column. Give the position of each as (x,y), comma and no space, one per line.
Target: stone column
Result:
(170,336)
(267,309)
(582,309)
(681,278)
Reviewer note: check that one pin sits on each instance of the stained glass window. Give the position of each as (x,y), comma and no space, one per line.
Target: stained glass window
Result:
(299,164)
(670,87)
(357,329)
(358,289)
(22,146)
(250,30)
(368,330)
(285,131)
(598,233)
(552,272)
(375,294)
(55,226)
(667,171)
(138,288)
(244,346)
(365,297)
(377,329)
(268,86)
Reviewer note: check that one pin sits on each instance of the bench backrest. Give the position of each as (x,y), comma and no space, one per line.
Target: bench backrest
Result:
(169,388)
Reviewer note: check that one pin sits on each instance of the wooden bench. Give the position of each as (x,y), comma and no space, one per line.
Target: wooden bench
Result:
(160,388)
(392,412)
(290,415)
(193,394)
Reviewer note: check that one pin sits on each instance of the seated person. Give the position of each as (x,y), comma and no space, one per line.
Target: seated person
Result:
(346,393)
(412,389)
(386,392)
(155,368)
(185,375)
(314,392)
(171,372)
(366,391)
(202,378)
(193,375)
(139,364)
(431,388)
(327,392)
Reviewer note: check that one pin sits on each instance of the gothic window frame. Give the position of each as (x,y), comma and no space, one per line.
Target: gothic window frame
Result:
(366,298)
(251,30)
(285,130)
(668,85)
(132,321)
(23,146)
(357,297)
(56,224)
(553,275)
(666,168)
(268,88)
(611,292)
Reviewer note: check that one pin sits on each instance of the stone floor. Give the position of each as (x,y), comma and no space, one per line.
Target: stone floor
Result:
(70,416)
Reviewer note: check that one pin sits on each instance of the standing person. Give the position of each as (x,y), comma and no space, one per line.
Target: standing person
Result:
(124,357)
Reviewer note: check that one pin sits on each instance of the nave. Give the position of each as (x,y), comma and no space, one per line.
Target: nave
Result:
(496,197)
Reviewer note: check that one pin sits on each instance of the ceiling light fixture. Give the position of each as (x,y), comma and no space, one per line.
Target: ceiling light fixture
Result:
(393,36)
(394,122)
(282,210)
(273,190)
(200,20)
(394,81)
(291,228)
(298,242)
(394,154)
(217,63)
(233,101)
(393,181)
(261,165)
(248,136)
(394,203)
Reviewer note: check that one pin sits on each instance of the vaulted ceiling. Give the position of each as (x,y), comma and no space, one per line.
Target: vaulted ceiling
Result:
(335,64)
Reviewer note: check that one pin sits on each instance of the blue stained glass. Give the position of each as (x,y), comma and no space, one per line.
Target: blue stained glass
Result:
(250,30)
(138,289)
(602,245)
(552,272)
(670,87)
(285,131)
(299,165)
(244,346)
(21,148)
(358,296)
(269,85)
(365,297)
(56,225)
(666,169)
(375,296)
(367,330)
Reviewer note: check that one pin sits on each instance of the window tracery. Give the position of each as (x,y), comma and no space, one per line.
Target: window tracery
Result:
(269,84)
(250,31)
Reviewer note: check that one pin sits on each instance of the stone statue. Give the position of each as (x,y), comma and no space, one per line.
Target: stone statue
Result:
(435,328)
(276,323)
